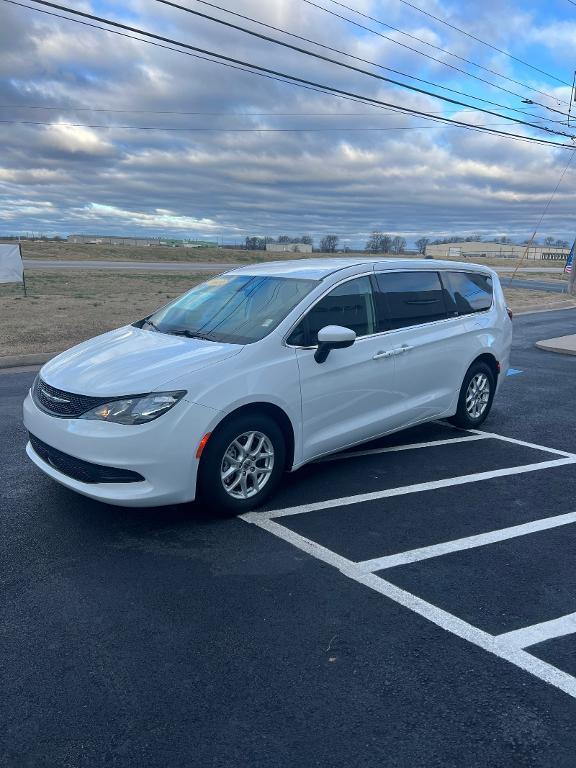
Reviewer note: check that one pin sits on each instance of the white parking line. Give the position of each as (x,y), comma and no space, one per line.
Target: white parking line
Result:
(469,542)
(537,633)
(408,447)
(525,444)
(417,488)
(494,644)
(509,646)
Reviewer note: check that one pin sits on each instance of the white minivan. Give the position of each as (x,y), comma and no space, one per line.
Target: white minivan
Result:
(263,369)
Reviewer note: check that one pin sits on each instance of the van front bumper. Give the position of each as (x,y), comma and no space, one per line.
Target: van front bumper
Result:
(162,452)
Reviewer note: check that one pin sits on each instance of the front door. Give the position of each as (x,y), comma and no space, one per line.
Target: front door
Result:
(348,398)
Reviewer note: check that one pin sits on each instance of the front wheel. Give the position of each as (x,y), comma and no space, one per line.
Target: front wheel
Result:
(242,463)
(476,396)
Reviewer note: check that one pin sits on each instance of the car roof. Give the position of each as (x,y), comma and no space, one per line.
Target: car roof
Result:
(318,269)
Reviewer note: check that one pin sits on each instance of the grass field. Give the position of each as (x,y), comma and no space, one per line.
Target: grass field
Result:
(53,250)
(50,250)
(67,307)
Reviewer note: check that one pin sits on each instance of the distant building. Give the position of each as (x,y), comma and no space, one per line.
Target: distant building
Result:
(288,247)
(480,250)
(137,241)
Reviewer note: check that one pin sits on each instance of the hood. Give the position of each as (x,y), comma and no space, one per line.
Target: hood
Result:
(131,361)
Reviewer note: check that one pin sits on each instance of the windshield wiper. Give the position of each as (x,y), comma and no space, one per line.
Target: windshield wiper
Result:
(145,322)
(189,334)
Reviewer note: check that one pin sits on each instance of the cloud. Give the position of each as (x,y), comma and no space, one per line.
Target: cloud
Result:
(435,180)
(157,219)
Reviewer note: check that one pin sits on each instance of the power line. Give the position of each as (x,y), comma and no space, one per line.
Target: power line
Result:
(431,45)
(278,79)
(571,98)
(366,61)
(272,74)
(213,129)
(298,81)
(330,60)
(113,110)
(185,45)
(483,42)
(544,212)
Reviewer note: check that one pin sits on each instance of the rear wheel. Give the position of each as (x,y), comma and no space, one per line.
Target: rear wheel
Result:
(242,463)
(476,396)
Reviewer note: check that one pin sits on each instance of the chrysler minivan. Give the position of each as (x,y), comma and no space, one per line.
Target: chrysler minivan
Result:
(263,369)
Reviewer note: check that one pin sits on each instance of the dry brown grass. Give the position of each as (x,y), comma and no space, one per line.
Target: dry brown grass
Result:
(54,250)
(527,300)
(58,250)
(66,307)
(537,276)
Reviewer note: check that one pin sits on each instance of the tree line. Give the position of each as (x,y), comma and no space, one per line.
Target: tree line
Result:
(551,242)
(328,244)
(380,242)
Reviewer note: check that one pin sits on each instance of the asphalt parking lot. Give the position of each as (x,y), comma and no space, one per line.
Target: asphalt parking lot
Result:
(410,603)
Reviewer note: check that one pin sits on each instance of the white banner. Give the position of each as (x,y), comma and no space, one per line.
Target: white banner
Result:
(11,266)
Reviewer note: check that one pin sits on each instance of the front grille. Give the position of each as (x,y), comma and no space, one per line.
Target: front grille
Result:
(65,404)
(81,470)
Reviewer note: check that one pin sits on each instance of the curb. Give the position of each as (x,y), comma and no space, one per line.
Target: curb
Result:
(21,361)
(563,345)
(541,311)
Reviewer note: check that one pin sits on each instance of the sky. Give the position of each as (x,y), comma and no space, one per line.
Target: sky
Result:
(267,158)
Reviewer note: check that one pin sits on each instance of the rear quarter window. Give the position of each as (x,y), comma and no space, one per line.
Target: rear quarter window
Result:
(467,292)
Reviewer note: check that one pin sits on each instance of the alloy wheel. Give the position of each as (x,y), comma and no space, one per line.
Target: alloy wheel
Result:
(247,465)
(477,395)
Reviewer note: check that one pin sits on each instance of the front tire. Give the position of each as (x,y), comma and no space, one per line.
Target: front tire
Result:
(476,396)
(242,463)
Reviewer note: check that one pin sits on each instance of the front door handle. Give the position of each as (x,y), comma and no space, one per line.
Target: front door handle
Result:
(383,353)
(402,349)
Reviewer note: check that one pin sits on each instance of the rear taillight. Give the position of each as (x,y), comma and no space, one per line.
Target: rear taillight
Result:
(509,311)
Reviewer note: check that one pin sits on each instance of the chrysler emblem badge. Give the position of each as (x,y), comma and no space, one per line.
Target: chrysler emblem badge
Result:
(53,398)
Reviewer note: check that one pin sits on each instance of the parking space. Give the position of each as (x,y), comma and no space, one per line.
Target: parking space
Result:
(464,528)
(390,525)
(391,470)
(410,606)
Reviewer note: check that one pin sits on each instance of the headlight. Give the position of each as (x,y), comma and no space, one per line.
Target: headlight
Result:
(135,410)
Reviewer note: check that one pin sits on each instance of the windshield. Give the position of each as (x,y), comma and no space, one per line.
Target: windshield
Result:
(238,309)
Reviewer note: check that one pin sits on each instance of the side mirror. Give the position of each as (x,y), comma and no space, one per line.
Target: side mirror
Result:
(333,337)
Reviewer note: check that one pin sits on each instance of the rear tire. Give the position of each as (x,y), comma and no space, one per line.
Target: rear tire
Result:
(476,396)
(242,463)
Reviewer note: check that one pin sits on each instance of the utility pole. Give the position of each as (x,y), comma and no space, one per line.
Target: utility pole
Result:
(570,268)
(23,272)
(572,273)
(572,98)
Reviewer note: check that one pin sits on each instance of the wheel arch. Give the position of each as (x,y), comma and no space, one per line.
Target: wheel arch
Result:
(490,360)
(275,412)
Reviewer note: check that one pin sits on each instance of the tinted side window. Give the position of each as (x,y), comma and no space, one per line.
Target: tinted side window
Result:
(409,298)
(350,305)
(467,292)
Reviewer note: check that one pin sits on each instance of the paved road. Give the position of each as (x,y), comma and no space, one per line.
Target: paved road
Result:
(139,266)
(183,266)
(549,286)
(174,637)
(550,270)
